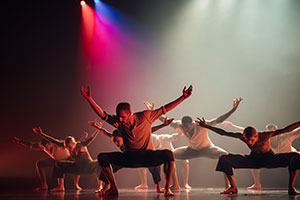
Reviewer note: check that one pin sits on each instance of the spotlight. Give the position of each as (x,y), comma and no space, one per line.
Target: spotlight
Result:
(82,3)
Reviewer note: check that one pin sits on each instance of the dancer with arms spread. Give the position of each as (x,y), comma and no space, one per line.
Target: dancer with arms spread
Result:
(261,155)
(79,161)
(136,132)
(200,144)
(118,140)
(280,144)
(55,150)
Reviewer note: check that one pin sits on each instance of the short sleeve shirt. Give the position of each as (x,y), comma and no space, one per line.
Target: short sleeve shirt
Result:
(198,140)
(284,142)
(137,137)
(163,141)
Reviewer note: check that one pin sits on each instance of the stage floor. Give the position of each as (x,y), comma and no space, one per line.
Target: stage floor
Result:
(131,194)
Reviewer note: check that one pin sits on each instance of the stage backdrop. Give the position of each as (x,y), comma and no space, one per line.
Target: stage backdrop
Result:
(147,50)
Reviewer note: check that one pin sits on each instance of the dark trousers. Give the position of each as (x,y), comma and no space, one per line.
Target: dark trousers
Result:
(136,159)
(45,162)
(155,172)
(256,161)
(71,167)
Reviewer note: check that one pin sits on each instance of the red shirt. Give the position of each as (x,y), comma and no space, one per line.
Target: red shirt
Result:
(137,137)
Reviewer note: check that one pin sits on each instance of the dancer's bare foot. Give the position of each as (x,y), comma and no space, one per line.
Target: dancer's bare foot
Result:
(230,190)
(78,188)
(98,191)
(254,187)
(109,193)
(159,190)
(58,189)
(141,187)
(175,187)
(293,191)
(103,189)
(100,187)
(41,188)
(168,193)
(187,186)
(227,186)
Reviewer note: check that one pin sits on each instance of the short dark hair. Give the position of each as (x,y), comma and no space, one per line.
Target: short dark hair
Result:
(44,142)
(249,131)
(116,133)
(186,119)
(123,106)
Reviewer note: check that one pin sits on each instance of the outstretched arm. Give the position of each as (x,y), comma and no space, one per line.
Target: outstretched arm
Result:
(98,126)
(163,118)
(202,123)
(185,94)
(295,134)
(53,140)
(230,125)
(223,117)
(155,114)
(173,137)
(167,122)
(87,95)
(288,128)
(30,145)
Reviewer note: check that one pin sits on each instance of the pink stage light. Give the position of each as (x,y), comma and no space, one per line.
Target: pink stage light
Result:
(112,44)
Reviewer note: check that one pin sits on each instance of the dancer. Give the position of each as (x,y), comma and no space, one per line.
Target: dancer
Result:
(200,144)
(136,132)
(261,155)
(80,161)
(56,152)
(279,144)
(118,140)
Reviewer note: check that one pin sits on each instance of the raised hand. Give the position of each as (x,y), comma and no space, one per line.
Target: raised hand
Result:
(37,130)
(95,124)
(85,135)
(187,92)
(201,122)
(236,102)
(85,93)
(148,105)
(167,121)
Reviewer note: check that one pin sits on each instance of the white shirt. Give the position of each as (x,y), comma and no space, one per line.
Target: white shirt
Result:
(163,141)
(199,139)
(283,143)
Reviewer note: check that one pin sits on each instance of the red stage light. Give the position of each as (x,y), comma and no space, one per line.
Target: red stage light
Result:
(82,3)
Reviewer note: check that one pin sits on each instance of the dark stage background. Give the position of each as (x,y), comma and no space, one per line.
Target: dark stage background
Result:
(147,50)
